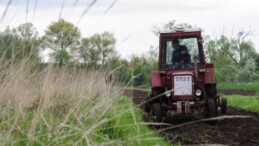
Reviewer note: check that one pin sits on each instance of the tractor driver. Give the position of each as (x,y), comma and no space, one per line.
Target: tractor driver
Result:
(180,58)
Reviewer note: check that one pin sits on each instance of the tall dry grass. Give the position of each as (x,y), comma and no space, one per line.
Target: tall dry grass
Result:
(60,101)
(66,106)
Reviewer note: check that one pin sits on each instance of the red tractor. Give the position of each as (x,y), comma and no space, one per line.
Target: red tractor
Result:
(185,83)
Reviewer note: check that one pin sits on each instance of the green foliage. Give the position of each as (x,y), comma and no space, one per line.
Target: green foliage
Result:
(31,42)
(234,58)
(249,103)
(140,71)
(142,67)
(27,31)
(120,125)
(8,42)
(97,49)
(61,56)
(61,35)
(218,52)
(128,124)
(247,73)
(18,43)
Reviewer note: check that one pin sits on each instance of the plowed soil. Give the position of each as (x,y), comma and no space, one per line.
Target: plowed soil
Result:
(244,132)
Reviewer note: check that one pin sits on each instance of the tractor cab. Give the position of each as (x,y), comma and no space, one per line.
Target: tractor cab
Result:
(180,50)
(184,83)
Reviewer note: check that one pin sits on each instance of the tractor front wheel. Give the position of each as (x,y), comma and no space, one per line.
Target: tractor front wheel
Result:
(157,112)
(153,98)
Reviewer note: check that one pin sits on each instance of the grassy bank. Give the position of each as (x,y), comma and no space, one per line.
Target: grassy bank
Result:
(66,106)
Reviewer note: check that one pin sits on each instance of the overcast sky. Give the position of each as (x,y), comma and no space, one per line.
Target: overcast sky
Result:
(131,20)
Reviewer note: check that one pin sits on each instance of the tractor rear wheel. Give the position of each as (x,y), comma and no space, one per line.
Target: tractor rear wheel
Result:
(212,107)
(223,106)
(157,112)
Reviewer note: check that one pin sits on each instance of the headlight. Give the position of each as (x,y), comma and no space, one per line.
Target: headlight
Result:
(198,92)
(167,93)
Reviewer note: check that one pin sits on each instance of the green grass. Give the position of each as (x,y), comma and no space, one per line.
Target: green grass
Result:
(240,86)
(131,126)
(249,103)
(121,125)
(137,88)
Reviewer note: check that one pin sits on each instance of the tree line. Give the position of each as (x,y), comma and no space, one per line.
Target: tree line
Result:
(235,58)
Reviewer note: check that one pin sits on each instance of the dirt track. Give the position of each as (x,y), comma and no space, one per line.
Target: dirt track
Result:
(228,131)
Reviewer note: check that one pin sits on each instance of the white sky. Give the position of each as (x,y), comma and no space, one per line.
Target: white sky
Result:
(131,20)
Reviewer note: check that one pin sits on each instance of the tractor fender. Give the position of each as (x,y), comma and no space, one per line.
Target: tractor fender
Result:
(156,80)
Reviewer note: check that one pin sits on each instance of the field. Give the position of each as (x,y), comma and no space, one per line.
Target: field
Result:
(79,72)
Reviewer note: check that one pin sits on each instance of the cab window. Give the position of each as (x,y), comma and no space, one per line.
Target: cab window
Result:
(180,53)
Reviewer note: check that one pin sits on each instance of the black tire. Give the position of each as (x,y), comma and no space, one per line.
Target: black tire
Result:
(223,105)
(150,101)
(147,106)
(211,90)
(157,112)
(212,107)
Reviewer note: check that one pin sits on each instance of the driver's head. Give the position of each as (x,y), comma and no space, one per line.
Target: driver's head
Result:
(175,43)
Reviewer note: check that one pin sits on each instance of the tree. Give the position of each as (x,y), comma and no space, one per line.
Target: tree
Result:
(27,32)
(97,49)
(62,56)
(18,43)
(234,57)
(61,35)
(106,46)
(9,40)
(29,36)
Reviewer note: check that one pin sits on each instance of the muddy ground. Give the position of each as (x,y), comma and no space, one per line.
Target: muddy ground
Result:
(243,132)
